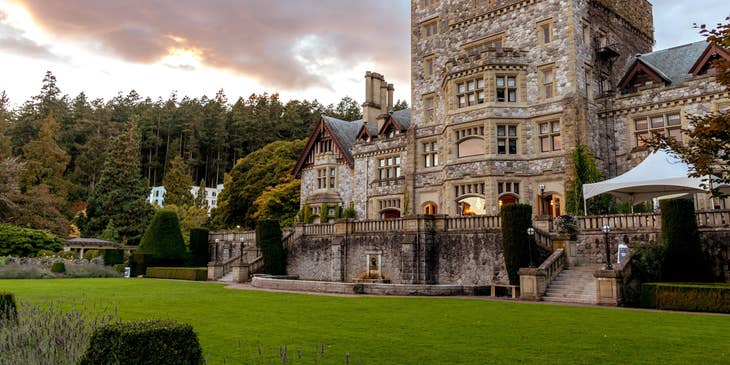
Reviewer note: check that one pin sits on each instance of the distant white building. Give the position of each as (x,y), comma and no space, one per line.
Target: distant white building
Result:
(157,195)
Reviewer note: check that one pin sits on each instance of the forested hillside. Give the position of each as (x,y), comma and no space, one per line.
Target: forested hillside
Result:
(58,142)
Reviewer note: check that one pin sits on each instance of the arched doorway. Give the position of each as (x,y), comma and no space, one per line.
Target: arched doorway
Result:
(430,208)
(390,214)
(508,199)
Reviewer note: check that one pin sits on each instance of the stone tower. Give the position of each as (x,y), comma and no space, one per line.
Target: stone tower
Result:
(503,91)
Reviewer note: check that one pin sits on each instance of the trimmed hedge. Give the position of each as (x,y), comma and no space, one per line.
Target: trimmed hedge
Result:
(145,342)
(58,267)
(686,297)
(113,257)
(179,273)
(163,239)
(26,242)
(268,237)
(8,309)
(683,258)
(199,251)
(516,218)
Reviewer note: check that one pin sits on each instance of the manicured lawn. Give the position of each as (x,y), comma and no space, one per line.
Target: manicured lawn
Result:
(381,330)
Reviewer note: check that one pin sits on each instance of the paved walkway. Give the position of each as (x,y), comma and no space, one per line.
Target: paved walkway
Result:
(248,286)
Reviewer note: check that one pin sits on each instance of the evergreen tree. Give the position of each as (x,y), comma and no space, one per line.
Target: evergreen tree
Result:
(177,183)
(163,240)
(584,172)
(45,161)
(400,105)
(120,197)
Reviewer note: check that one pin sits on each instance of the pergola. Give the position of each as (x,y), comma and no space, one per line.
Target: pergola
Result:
(83,244)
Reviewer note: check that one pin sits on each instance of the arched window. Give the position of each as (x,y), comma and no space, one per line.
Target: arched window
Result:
(390,214)
(430,208)
(472,205)
(471,147)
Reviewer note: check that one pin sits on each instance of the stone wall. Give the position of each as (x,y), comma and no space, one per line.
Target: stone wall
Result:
(414,255)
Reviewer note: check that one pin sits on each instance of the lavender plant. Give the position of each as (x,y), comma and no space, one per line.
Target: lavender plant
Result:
(52,334)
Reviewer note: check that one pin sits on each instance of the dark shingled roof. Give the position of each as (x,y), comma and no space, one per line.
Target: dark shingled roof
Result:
(345,132)
(672,64)
(403,118)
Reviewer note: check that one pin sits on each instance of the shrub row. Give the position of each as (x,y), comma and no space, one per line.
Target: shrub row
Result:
(686,297)
(146,342)
(179,273)
(19,241)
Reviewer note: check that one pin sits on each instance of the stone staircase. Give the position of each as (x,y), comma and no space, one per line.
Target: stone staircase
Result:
(227,278)
(574,284)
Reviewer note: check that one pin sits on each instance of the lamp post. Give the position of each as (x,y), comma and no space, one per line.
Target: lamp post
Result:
(542,199)
(606,231)
(530,242)
(217,242)
(241,251)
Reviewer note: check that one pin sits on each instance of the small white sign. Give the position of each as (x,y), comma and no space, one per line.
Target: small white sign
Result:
(127,272)
(623,251)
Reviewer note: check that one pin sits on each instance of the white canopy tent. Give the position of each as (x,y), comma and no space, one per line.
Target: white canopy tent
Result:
(661,173)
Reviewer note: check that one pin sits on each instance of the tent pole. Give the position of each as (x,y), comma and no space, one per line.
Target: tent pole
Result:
(585,207)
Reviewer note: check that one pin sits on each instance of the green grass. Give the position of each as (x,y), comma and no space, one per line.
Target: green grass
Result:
(383,330)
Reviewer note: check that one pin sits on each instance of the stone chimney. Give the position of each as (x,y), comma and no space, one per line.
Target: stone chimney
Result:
(378,98)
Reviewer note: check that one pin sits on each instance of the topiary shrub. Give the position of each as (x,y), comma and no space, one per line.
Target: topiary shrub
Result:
(516,218)
(268,237)
(58,267)
(163,241)
(199,250)
(145,342)
(139,262)
(683,259)
(113,257)
(8,309)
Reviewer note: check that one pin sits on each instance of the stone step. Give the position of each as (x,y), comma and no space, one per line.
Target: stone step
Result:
(569,300)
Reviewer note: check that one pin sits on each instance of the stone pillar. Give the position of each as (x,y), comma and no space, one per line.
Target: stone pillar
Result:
(215,270)
(241,272)
(608,287)
(532,283)
(391,90)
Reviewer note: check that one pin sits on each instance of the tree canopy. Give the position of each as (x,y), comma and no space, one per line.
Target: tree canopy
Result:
(267,167)
(177,183)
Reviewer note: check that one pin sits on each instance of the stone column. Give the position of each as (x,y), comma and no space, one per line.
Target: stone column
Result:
(241,272)
(215,270)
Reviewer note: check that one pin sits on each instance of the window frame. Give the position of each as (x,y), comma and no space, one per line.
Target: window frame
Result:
(543,72)
(506,89)
(467,93)
(550,136)
(651,130)
(429,151)
(545,28)
(509,141)
(389,168)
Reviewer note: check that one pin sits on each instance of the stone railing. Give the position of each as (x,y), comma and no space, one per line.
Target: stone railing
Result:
(620,221)
(705,218)
(472,222)
(543,239)
(385,225)
(535,280)
(713,218)
(232,236)
(317,229)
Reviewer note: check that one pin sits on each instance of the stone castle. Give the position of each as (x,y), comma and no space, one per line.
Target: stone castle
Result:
(502,92)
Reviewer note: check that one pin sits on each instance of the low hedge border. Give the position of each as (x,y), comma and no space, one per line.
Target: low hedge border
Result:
(686,297)
(142,343)
(179,273)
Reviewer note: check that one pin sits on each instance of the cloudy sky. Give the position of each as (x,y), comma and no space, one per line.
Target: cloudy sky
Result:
(303,49)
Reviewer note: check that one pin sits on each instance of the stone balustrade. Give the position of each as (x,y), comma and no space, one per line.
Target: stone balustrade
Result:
(535,280)
(477,222)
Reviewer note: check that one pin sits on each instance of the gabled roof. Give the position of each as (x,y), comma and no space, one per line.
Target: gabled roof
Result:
(343,134)
(400,119)
(369,130)
(711,52)
(672,65)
